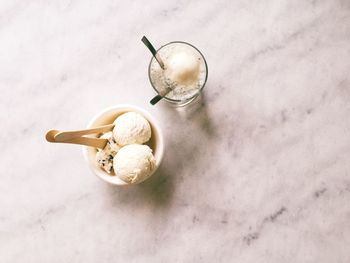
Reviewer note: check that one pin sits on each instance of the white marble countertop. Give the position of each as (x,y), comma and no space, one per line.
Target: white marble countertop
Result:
(258,172)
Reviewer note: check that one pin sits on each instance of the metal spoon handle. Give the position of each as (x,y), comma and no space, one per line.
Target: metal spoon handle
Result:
(153,51)
(155,99)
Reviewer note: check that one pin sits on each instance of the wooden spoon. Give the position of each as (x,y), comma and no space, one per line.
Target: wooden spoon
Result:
(66,135)
(75,137)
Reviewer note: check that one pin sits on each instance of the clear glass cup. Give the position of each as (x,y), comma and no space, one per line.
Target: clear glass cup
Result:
(171,91)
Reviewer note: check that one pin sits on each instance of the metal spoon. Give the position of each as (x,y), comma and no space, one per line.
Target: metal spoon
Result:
(148,44)
(153,51)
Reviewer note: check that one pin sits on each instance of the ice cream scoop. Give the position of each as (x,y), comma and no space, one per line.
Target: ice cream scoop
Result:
(182,68)
(134,163)
(131,128)
(105,156)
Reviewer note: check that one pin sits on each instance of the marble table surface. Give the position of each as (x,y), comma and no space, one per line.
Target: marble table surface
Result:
(258,170)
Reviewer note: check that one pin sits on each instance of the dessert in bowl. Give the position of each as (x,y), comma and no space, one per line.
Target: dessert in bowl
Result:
(134,149)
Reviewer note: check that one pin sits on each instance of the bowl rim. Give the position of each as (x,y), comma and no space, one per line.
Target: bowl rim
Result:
(123,108)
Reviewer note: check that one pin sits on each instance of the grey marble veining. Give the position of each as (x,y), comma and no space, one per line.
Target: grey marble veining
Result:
(256,171)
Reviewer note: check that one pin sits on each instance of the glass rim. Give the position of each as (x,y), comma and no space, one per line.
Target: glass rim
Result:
(206,71)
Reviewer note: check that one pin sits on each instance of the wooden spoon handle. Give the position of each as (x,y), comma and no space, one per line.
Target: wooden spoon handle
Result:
(67,135)
(88,141)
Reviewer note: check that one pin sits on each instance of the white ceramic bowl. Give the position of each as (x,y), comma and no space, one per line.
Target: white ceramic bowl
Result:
(107,116)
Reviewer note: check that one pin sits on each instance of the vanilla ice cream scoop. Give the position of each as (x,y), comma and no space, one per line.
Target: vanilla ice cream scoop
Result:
(182,67)
(105,157)
(134,163)
(130,128)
